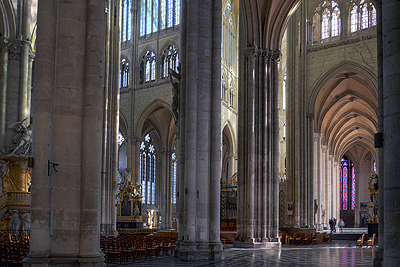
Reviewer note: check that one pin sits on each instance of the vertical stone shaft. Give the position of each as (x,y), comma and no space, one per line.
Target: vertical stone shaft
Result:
(3,92)
(391,119)
(191,72)
(381,196)
(215,151)
(68,120)
(91,130)
(275,147)
(43,129)
(24,92)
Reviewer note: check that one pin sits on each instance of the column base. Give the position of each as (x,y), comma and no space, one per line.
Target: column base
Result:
(196,251)
(378,258)
(52,261)
(265,244)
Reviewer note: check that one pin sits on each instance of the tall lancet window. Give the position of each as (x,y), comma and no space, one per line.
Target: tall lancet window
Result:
(347,185)
(148,67)
(326,22)
(362,15)
(169,60)
(173,178)
(126,20)
(124,73)
(148,170)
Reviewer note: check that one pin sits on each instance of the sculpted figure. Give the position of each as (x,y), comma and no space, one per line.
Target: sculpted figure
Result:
(22,140)
(26,223)
(15,222)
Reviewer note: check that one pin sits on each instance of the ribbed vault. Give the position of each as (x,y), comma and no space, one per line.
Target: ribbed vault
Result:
(346,113)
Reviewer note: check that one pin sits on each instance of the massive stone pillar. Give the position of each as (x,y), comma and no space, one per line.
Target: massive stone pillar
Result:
(258,153)
(110,123)
(68,106)
(380,167)
(200,131)
(391,133)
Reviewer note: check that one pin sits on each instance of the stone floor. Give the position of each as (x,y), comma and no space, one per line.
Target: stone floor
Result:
(336,253)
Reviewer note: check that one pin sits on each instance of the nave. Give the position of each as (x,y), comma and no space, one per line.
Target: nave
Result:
(336,253)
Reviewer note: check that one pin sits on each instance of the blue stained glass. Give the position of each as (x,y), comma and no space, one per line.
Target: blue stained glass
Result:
(354,19)
(345,187)
(353,188)
(148,17)
(147,70)
(153,70)
(143,18)
(177,12)
(364,18)
(163,14)
(170,15)
(155,15)
(129,18)
(341,184)
(325,24)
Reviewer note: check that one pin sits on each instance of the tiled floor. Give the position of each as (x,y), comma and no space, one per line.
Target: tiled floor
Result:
(337,253)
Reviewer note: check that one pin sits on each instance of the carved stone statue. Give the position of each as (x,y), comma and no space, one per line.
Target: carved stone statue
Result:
(175,77)
(26,223)
(22,140)
(3,168)
(15,222)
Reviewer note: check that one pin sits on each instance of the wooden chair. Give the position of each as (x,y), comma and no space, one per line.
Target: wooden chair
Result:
(293,238)
(307,240)
(319,239)
(371,241)
(299,239)
(360,241)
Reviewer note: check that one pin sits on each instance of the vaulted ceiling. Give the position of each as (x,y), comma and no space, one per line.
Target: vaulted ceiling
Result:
(346,113)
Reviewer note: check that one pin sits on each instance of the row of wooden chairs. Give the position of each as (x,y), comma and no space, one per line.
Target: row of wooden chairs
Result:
(127,247)
(369,243)
(13,249)
(304,238)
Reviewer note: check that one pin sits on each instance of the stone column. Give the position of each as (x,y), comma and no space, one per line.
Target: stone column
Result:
(110,123)
(68,116)
(200,129)
(258,172)
(380,166)
(3,92)
(166,190)
(391,133)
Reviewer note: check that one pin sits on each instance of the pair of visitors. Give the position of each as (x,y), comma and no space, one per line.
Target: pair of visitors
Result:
(341,225)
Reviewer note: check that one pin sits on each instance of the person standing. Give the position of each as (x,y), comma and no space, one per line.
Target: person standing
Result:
(341,225)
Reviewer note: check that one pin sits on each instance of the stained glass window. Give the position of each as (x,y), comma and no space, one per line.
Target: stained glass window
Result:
(170,13)
(353,187)
(284,90)
(143,17)
(362,15)
(325,24)
(148,170)
(354,19)
(163,14)
(149,64)
(121,138)
(124,73)
(169,59)
(126,20)
(347,184)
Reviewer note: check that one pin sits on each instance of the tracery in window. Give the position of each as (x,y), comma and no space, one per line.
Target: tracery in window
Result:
(121,138)
(148,170)
(148,67)
(326,21)
(169,60)
(124,73)
(126,20)
(362,15)
(347,185)
(158,15)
